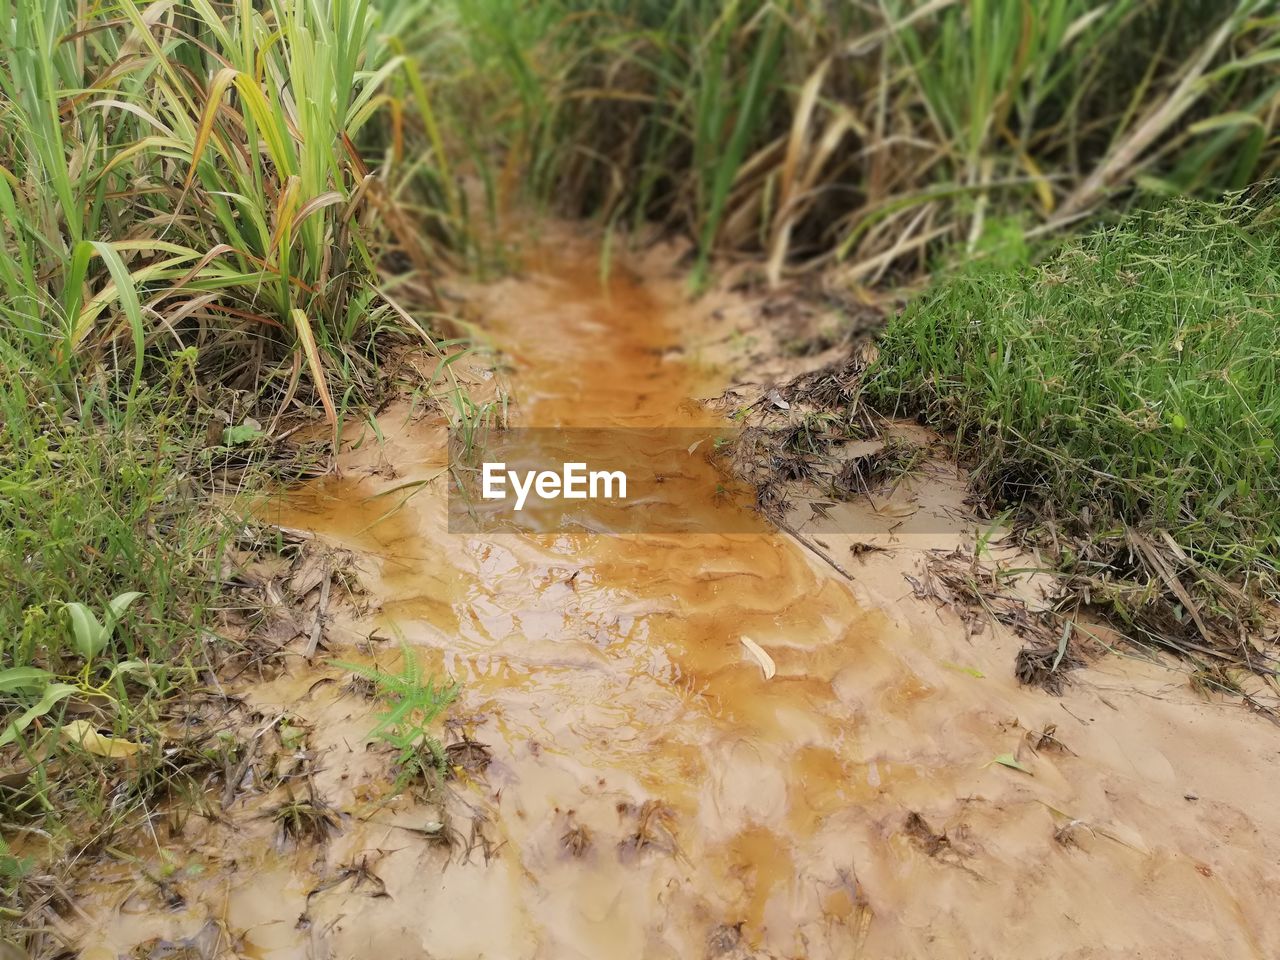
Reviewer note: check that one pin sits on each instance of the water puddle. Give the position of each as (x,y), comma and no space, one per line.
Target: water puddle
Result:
(651,793)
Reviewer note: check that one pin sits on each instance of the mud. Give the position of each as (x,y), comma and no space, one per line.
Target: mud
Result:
(650,793)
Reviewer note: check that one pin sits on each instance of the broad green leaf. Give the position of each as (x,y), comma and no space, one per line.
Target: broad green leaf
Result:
(87,633)
(118,605)
(133,668)
(24,678)
(241,433)
(52,695)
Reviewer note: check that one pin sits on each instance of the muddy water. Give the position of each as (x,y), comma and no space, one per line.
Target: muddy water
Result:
(652,794)
(619,699)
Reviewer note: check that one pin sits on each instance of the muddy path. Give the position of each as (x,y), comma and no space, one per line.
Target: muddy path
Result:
(650,793)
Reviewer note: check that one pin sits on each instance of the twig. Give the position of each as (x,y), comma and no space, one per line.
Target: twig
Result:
(813,548)
(321,608)
(1156,562)
(233,779)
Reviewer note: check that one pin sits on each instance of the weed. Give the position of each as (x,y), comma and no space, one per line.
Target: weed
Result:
(414,704)
(470,423)
(303,820)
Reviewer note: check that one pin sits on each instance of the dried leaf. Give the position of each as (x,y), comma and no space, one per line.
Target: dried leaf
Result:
(82,733)
(309,572)
(890,508)
(1124,835)
(765,661)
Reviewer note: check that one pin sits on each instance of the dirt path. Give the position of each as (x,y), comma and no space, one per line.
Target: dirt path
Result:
(651,794)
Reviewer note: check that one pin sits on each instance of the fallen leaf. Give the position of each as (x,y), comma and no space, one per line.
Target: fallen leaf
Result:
(1009,760)
(1124,835)
(309,572)
(889,508)
(971,671)
(765,661)
(82,733)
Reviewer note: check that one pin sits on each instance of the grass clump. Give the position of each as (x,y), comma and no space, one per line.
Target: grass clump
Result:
(1131,381)
(109,562)
(219,176)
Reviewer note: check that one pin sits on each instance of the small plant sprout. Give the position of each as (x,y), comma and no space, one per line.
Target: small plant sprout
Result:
(414,703)
(89,635)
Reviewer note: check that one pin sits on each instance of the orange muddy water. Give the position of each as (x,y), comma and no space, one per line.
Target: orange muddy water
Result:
(652,793)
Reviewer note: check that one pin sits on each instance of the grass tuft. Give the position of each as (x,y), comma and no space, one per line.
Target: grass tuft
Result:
(1131,381)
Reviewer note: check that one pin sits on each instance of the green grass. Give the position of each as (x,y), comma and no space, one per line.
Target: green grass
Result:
(94,502)
(211,175)
(196,200)
(109,556)
(1131,380)
(414,702)
(863,138)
